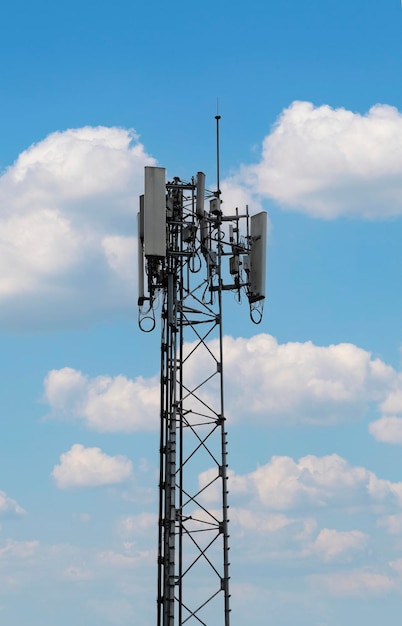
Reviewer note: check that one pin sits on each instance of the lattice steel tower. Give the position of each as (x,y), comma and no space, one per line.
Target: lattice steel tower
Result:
(182,247)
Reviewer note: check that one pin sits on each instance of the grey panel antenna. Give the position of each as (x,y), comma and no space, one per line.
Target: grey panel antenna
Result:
(200,194)
(140,253)
(155,212)
(258,254)
(141,220)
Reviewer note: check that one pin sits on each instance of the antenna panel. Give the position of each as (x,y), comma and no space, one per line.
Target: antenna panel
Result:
(141,220)
(200,194)
(155,212)
(140,253)
(258,255)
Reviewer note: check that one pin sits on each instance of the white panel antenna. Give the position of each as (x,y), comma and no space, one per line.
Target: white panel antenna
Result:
(141,219)
(258,255)
(155,212)
(200,194)
(140,253)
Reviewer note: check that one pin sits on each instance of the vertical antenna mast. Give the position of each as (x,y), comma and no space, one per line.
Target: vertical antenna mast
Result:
(217,117)
(183,247)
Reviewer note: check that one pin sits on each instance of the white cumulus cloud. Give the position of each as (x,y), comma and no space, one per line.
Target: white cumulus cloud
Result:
(236,194)
(90,467)
(104,403)
(392,403)
(265,382)
(67,227)
(332,162)
(260,533)
(387,429)
(292,383)
(284,484)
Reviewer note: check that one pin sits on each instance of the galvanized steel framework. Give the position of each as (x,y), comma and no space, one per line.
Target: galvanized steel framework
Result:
(193,539)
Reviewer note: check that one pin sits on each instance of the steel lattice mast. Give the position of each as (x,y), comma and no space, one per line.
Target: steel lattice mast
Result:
(183,246)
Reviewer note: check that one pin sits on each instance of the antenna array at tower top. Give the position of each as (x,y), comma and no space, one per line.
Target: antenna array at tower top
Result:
(205,234)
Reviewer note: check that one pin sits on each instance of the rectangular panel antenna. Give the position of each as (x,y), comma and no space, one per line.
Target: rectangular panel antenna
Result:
(141,220)
(200,194)
(258,254)
(140,256)
(155,212)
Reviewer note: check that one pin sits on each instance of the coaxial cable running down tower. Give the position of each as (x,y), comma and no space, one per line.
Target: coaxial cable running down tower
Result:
(182,249)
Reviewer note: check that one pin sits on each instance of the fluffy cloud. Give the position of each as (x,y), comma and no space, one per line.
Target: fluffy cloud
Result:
(284,484)
(330,162)
(300,382)
(274,535)
(265,382)
(237,194)
(105,404)
(393,401)
(330,544)
(296,382)
(90,467)
(260,534)
(9,507)
(67,225)
(387,429)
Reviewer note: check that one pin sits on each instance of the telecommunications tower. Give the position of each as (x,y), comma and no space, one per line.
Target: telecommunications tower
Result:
(188,256)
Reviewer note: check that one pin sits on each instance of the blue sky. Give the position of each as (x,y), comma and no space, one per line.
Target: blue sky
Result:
(309,94)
